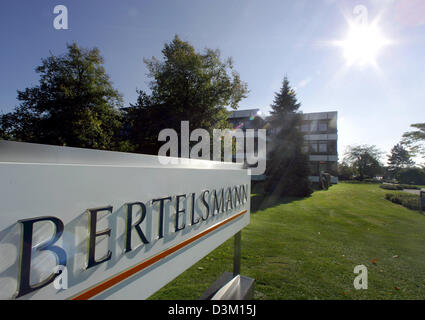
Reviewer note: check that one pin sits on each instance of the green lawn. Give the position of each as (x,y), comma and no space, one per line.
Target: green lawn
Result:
(308,248)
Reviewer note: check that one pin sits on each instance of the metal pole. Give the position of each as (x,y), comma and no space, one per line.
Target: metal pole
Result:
(421,193)
(237,254)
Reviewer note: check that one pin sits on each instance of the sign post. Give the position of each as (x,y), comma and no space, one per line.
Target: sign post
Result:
(237,254)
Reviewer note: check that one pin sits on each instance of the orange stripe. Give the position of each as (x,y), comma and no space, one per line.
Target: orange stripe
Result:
(135,269)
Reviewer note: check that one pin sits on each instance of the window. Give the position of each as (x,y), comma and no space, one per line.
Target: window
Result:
(332,147)
(323,126)
(304,127)
(313,126)
(318,147)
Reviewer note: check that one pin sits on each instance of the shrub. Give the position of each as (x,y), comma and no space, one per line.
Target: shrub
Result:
(345,172)
(407,200)
(399,187)
(325,180)
(391,187)
(411,176)
(372,180)
(408,186)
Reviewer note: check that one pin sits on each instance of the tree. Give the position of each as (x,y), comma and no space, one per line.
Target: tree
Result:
(3,128)
(285,102)
(411,176)
(186,85)
(74,104)
(288,167)
(345,171)
(415,140)
(398,159)
(365,160)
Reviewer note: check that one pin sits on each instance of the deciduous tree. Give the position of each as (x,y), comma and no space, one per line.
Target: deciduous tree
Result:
(415,140)
(365,160)
(186,85)
(74,104)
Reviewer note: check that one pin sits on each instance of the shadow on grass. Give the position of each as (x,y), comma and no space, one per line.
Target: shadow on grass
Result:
(265,201)
(360,182)
(261,200)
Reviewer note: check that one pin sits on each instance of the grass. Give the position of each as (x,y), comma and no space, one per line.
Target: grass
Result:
(308,248)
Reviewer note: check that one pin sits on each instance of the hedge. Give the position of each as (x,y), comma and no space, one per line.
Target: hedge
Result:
(391,187)
(398,187)
(405,199)
(408,186)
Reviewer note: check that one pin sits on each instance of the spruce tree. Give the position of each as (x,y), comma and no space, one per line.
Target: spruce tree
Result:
(398,159)
(288,168)
(285,101)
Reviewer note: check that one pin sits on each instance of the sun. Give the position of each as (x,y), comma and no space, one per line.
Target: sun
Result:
(363,44)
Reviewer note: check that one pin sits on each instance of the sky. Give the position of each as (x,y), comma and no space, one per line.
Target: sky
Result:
(268,39)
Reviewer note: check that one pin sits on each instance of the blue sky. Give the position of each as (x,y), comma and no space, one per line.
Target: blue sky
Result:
(267,40)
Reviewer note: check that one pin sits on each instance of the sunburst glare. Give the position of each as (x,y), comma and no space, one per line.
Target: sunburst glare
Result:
(363,44)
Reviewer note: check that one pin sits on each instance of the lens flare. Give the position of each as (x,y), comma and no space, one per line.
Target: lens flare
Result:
(363,44)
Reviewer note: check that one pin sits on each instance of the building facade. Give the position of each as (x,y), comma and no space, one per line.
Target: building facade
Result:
(245,119)
(321,143)
(320,132)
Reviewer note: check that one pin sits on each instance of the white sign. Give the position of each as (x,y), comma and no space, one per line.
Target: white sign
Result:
(89,224)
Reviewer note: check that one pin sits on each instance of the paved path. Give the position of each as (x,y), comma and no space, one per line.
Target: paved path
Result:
(413,191)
